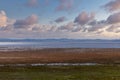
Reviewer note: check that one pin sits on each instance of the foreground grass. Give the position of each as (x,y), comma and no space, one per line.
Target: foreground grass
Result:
(99,72)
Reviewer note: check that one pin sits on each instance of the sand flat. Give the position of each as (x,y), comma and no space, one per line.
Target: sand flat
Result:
(63,55)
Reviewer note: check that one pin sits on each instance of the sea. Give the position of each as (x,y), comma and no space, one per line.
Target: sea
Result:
(22,44)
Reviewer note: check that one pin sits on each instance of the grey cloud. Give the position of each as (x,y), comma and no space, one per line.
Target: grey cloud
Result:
(114,18)
(95,22)
(112,24)
(113,5)
(95,28)
(25,23)
(70,27)
(43,28)
(83,18)
(60,19)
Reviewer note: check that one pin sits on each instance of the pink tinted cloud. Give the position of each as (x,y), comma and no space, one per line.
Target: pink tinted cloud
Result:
(83,18)
(64,5)
(25,23)
(32,3)
(113,5)
(114,18)
(3,19)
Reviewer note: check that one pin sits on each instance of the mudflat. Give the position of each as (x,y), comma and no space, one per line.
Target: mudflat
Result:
(60,55)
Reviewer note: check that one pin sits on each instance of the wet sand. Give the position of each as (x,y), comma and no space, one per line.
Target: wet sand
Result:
(64,55)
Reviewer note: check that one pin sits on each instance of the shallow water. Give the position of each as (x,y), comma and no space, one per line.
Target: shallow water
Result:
(35,45)
(53,64)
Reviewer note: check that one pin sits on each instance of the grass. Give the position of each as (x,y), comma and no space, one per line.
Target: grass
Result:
(98,72)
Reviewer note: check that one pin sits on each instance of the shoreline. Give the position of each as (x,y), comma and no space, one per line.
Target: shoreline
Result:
(11,48)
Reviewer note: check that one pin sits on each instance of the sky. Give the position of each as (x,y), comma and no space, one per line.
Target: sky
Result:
(54,19)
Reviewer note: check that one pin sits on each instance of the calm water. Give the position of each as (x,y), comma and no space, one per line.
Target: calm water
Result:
(54,64)
(58,44)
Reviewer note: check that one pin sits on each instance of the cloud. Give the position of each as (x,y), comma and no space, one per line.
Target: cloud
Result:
(96,28)
(113,5)
(70,27)
(114,23)
(114,18)
(64,5)
(114,28)
(32,3)
(3,19)
(27,22)
(83,18)
(84,23)
(60,19)
(7,28)
(43,28)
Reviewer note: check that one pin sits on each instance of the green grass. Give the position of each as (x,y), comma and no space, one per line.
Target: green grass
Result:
(99,72)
